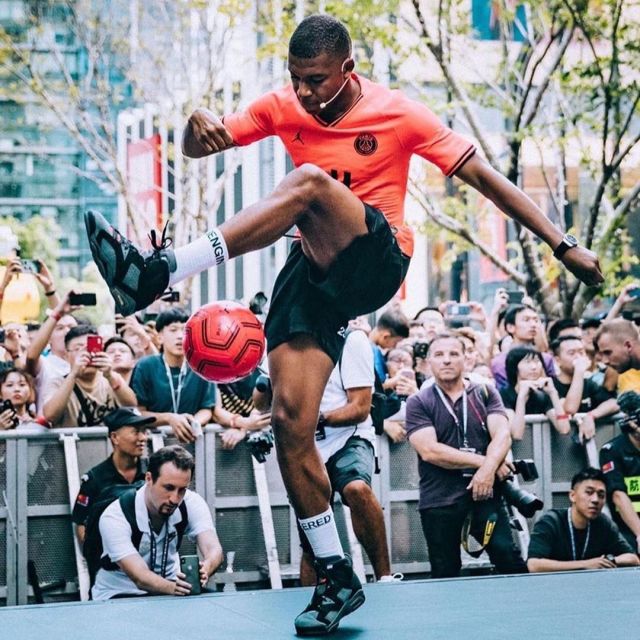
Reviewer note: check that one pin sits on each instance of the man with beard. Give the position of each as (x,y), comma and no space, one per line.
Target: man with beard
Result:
(161,508)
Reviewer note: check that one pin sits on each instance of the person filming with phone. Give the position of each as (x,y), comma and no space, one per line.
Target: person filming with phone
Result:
(141,535)
(92,388)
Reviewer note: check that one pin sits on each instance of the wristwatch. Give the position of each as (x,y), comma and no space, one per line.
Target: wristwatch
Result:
(568,242)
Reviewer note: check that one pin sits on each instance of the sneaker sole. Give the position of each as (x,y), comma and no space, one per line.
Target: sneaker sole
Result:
(123,305)
(353,603)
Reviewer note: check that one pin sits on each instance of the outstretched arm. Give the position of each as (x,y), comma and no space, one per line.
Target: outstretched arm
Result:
(479,174)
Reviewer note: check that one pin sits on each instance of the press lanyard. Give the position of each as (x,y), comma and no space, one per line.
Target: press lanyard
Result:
(165,549)
(573,540)
(465,442)
(175,395)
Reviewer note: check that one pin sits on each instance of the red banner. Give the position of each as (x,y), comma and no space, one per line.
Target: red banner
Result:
(144,174)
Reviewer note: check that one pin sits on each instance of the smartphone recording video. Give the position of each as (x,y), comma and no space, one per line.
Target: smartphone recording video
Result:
(94,344)
(82,299)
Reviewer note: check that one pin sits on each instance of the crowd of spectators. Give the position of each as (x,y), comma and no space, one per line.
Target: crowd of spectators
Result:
(65,373)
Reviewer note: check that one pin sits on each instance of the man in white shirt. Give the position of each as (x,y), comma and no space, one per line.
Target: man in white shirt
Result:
(152,567)
(345,438)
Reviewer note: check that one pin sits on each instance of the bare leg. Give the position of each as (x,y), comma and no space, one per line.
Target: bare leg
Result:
(327,213)
(368,524)
(308,575)
(299,371)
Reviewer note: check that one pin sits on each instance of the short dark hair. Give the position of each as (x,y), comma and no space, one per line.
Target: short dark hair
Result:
(318,34)
(394,321)
(118,340)
(165,318)
(590,473)
(446,335)
(79,331)
(557,343)
(560,325)
(590,323)
(515,356)
(417,316)
(180,457)
(513,310)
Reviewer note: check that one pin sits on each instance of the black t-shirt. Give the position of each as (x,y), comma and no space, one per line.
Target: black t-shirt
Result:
(620,463)
(537,402)
(593,394)
(95,481)
(551,538)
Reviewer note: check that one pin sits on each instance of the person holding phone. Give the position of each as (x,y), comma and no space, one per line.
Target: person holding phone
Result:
(55,364)
(531,392)
(171,511)
(522,323)
(92,389)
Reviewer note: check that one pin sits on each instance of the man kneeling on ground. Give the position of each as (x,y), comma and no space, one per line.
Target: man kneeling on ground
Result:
(161,505)
(581,537)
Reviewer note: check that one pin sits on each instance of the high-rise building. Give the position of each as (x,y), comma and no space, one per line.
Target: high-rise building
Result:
(43,170)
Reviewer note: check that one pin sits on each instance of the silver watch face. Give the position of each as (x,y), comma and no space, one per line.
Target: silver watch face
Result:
(572,241)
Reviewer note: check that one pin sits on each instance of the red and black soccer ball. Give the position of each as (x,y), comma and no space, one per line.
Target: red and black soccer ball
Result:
(223,341)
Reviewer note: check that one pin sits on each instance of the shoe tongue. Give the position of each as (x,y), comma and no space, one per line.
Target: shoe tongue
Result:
(329,561)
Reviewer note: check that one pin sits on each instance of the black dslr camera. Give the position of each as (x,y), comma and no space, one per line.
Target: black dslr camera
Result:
(260,444)
(525,502)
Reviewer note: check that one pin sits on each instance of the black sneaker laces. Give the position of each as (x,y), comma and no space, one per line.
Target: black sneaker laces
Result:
(164,243)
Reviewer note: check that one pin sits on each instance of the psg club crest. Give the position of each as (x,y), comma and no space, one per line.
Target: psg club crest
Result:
(366,144)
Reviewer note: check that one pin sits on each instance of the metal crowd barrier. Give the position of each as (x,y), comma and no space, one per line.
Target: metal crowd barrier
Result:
(39,477)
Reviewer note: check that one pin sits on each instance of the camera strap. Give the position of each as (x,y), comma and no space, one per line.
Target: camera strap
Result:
(176,393)
(462,428)
(573,540)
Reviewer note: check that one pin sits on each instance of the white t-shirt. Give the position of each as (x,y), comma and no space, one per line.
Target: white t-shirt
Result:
(354,371)
(117,544)
(52,368)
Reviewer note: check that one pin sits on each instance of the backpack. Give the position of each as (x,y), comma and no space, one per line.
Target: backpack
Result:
(384,404)
(92,548)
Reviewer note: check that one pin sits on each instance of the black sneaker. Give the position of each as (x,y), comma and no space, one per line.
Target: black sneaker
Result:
(337,594)
(135,278)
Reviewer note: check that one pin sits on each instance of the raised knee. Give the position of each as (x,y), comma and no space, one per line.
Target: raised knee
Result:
(309,180)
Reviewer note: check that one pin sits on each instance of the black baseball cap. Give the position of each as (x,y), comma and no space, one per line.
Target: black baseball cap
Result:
(126,417)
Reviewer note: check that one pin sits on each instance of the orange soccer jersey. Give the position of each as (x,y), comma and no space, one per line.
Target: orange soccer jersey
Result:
(368,148)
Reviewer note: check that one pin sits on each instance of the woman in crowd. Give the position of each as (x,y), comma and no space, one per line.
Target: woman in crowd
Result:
(530,391)
(17,395)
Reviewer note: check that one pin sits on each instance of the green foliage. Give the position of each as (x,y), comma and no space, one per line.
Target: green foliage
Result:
(38,239)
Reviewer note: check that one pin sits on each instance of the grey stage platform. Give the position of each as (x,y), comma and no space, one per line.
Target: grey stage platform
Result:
(581,605)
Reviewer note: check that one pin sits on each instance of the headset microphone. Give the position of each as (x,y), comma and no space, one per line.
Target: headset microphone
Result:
(324,105)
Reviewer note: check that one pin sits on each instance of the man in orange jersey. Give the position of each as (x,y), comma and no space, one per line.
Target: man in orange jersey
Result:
(351,141)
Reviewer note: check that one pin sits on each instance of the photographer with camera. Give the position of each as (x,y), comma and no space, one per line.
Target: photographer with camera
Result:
(581,537)
(620,464)
(461,434)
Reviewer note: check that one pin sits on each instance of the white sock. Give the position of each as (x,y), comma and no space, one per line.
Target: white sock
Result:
(207,251)
(322,535)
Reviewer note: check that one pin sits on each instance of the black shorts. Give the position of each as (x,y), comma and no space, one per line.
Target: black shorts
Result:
(353,462)
(364,277)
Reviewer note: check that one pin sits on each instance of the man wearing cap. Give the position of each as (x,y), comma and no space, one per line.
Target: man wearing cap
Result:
(128,435)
